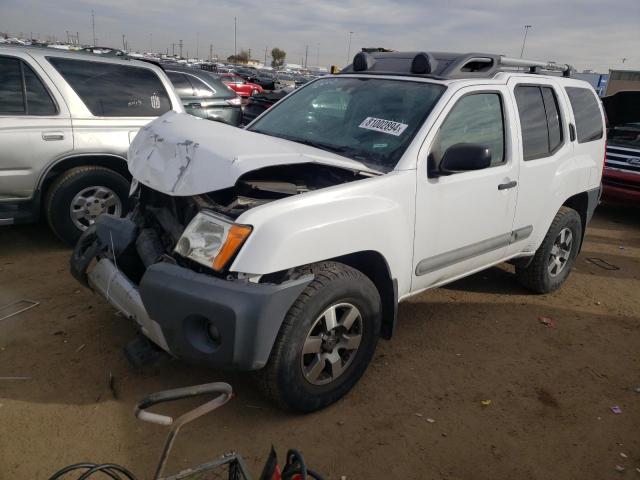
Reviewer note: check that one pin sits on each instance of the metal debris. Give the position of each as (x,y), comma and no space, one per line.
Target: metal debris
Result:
(598,262)
(19,306)
(616,409)
(547,321)
(485,403)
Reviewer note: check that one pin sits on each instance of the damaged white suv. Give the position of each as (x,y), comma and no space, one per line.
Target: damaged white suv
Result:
(287,246)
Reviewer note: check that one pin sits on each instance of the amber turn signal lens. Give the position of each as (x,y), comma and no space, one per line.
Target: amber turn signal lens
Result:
(235,238)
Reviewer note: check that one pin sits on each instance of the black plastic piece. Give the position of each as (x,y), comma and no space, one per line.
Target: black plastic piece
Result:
(141,352)
(117,233)
(193,308)
(83,254)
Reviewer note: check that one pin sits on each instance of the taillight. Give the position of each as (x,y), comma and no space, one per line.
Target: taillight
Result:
(234,101)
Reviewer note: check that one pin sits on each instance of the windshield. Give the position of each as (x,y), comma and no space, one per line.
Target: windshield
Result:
(370,120)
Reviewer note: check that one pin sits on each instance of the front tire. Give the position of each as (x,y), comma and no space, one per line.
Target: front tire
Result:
(553,260)
(79,195)
(326,340)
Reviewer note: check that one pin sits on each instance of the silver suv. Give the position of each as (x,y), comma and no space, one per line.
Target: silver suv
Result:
(66,121)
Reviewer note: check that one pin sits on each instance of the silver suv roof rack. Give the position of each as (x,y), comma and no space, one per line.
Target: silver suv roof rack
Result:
(445,65)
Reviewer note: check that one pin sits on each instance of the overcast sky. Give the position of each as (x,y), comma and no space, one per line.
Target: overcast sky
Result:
(586,33)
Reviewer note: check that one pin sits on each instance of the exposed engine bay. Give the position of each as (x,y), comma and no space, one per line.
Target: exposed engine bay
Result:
(161,219)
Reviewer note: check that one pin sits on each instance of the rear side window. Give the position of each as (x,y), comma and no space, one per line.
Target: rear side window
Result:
(39,102)
(11,95)
(17,80)
(539,120)
(113,90)
(181,84)
(587,114)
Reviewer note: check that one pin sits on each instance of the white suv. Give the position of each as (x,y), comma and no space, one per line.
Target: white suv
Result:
(287,246)
(66,121)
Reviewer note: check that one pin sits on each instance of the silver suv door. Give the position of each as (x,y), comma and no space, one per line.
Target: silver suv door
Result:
(35,126)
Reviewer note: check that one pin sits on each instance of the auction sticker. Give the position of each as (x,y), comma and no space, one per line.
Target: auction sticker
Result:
(384,126)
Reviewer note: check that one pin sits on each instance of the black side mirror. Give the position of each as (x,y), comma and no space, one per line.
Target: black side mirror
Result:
(463,157)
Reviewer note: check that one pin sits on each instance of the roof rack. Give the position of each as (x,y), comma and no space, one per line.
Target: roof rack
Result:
(445,65)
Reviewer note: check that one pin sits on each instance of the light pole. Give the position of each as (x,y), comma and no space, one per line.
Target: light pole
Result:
(349,48)
(524,41)
(235,37)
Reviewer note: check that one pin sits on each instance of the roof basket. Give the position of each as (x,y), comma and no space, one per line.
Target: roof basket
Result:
(444,65)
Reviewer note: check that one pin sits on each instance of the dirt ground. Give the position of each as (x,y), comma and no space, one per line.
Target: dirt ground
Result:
(551,388)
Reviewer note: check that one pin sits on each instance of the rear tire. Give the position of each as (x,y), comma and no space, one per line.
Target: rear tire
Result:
(76,185)
(553,260)
(333,364)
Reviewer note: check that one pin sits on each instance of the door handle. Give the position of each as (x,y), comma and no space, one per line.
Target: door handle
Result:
(52,136)
(508,185)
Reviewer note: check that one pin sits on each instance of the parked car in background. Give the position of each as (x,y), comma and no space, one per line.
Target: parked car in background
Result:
(261,102)
(286,247)
(267,82)
(205,95)
(621,176)
(66,121)
(285,80)
(240,85)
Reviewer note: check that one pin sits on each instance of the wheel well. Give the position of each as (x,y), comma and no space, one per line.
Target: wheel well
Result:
(374,266)
(115,163)
(579,203)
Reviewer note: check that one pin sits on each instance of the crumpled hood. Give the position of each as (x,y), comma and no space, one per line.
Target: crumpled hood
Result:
(181,155)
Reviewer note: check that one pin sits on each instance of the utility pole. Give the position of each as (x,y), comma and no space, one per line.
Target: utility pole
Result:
(349,48)
(197,44)
(211,52)
(173,49)
(265,56)
(249,55)
(318,57)
(124,43)
(67,37)
(78,37)
(180,46)
(93,27)
(306,55)
(524,41)
(235,37)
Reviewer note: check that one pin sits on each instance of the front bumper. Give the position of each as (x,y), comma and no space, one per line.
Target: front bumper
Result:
(195,317)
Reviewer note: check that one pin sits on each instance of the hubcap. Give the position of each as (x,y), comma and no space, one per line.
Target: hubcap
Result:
(332,343)
(91,202)
(560,252)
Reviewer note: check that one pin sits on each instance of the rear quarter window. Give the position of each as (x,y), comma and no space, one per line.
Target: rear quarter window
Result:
(114,90)
(587,114)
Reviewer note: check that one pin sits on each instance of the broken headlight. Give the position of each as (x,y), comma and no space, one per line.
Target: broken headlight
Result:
(211,240)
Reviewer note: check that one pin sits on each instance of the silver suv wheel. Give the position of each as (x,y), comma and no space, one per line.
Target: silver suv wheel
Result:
(331,344)
(560,252)
(90,202)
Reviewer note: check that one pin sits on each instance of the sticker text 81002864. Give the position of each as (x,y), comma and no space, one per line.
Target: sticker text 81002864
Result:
(384,126)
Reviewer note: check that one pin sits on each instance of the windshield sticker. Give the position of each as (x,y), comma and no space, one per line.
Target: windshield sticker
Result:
(384,126)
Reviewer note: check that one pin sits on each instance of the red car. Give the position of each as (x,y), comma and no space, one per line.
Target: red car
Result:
(621,176)
(240,85)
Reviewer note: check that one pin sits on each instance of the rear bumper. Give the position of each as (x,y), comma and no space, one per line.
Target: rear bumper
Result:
(195,317)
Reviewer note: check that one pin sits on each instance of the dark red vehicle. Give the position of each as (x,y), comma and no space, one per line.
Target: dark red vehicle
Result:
(240,85)
(621,176)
